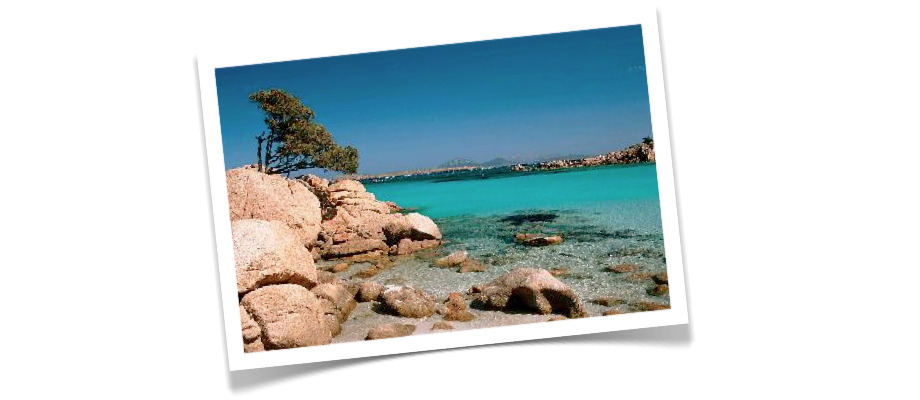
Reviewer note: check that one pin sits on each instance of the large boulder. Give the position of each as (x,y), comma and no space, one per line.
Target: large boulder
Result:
(423,228)
(267,253)
(252,333)
(255,195)
(532,289)
(410,302)
(412,226)
(289,315)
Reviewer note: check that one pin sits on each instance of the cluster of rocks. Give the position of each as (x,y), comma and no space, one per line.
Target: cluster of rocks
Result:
(637,153)
(659,288)
(280,227)
(360,226)
(530,290)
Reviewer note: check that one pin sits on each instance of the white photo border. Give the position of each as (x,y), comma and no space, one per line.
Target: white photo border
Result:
(238,360)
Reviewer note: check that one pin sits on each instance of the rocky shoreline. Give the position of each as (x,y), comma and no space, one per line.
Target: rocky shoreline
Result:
(637,153)
(307,252)
(643,152)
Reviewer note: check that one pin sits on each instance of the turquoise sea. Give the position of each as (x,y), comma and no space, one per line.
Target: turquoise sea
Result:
(608,215)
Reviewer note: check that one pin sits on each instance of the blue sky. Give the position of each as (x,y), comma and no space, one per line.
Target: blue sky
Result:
(568,93)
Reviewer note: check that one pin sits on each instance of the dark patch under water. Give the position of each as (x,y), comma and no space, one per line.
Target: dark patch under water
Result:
(635,251)
(520,219)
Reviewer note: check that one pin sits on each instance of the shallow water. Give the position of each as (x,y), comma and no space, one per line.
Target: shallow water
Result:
(608,216)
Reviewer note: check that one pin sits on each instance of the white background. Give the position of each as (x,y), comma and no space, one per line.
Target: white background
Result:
(795,139)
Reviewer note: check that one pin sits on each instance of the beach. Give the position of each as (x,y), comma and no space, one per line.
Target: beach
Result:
(609,216)
(321,262)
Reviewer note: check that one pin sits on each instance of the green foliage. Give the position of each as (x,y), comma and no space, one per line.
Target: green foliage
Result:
(294,140)
(648,140)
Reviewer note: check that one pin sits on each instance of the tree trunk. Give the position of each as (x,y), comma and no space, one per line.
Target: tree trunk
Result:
(260,139)
(268,155)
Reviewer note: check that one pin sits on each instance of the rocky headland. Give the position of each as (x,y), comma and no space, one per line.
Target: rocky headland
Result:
(637,153)
(309,252)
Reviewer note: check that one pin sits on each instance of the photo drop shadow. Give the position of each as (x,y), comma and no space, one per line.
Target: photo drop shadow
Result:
(669,336)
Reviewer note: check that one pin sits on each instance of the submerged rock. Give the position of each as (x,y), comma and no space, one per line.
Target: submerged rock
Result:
(659,290)
(368,272)
(648,306)
(452,260)
(392,330)
(639,276)
(520,219)
(608,301)
(471,265)
(269,252)
(624,268)
(406,301)
(460,259)
(660,278)
(531,239)
(289,315)
(532,289)
(638,252)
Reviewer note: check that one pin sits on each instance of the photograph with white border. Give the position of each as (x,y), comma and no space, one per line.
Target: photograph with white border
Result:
(379,201)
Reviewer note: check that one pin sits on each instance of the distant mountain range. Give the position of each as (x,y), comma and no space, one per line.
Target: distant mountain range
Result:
(502,161)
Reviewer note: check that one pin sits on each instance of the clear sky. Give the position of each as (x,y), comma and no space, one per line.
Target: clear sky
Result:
(569,93)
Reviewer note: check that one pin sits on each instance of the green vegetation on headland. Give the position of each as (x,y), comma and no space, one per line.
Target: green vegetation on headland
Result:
(294,141)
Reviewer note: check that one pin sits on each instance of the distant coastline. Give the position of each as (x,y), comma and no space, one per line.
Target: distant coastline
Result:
(637,153)
(409,173)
